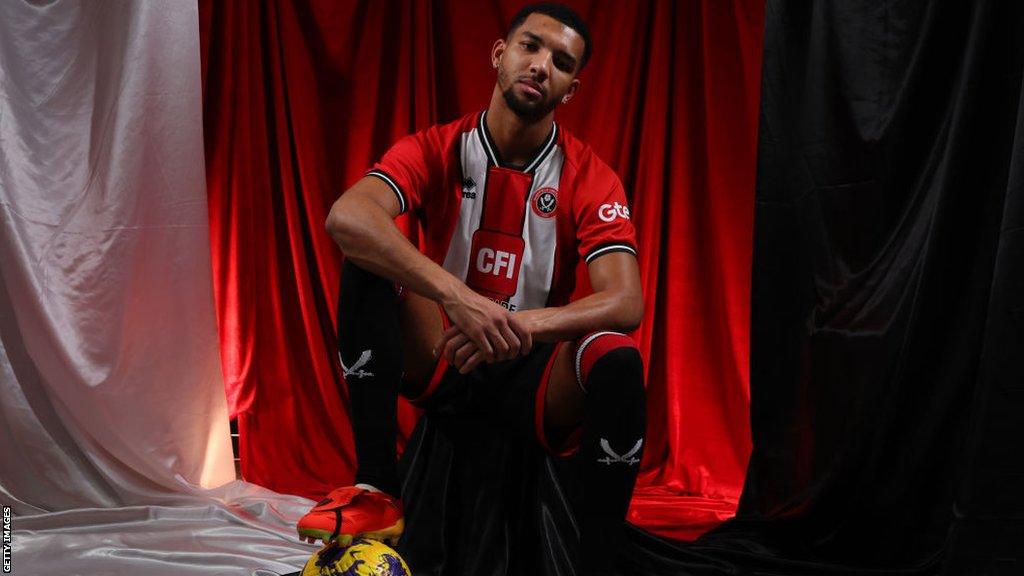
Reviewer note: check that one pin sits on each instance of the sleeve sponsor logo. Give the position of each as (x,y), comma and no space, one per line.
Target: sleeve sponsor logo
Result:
(609,212)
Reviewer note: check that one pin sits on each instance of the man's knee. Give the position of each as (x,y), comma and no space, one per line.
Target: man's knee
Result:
(611,354)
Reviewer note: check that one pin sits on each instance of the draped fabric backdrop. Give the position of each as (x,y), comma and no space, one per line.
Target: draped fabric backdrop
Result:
(301,97)
(115,456)
(108,335)
(887,300)
(888,287)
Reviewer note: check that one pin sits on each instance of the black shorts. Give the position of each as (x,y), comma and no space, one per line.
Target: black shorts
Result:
(511,392)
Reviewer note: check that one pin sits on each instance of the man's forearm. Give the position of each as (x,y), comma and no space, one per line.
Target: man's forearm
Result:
(368,236)
(600,311)
(361,223)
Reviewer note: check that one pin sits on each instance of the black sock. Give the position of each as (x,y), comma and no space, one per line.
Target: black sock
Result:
(610,451)
(370,343)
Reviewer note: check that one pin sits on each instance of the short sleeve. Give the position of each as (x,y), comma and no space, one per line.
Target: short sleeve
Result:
(406,169)
(603,223)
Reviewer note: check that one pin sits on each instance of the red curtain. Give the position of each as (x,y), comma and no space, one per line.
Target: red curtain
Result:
(300,98)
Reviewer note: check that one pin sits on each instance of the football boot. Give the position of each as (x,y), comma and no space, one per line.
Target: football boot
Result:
(350,512)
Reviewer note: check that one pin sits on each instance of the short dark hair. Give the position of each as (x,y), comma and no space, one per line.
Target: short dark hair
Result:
(563,14)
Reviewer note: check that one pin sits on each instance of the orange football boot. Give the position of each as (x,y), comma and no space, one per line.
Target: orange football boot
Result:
(351,512)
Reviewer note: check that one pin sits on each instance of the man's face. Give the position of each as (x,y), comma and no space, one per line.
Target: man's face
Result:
(537,66)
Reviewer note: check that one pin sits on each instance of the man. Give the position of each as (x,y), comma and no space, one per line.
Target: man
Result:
(508,203)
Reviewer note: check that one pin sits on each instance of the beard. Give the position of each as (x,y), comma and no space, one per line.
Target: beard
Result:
(526,110)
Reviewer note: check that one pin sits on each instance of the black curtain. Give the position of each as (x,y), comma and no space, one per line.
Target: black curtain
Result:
(887,329)
(887,389)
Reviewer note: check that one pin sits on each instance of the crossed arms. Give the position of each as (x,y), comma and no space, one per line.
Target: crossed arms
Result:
(362,223)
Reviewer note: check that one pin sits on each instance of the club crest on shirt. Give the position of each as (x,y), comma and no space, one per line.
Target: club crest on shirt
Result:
(544,202)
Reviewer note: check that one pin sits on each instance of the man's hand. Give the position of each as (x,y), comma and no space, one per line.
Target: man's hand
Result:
(481,331)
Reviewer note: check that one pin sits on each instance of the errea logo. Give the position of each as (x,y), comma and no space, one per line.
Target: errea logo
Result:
(609,212)
(468,188)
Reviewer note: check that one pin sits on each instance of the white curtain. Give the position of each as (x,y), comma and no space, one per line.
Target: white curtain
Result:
(114,447)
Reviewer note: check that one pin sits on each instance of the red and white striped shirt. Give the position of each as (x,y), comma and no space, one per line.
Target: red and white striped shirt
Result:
(512,235)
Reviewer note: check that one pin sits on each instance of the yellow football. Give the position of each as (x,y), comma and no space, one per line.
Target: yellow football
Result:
(363,558)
